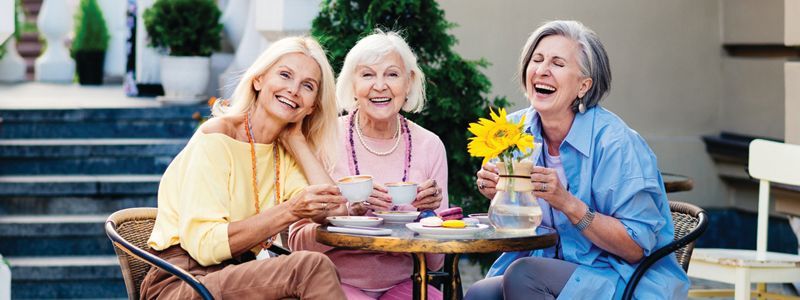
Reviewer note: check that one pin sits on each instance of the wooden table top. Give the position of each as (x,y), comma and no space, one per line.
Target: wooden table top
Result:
(677,183)
(406,241)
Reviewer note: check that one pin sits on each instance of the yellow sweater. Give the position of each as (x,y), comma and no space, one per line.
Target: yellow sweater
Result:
(209,185)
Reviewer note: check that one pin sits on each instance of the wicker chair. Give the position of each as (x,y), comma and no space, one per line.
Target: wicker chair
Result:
(129,229)
(690,222)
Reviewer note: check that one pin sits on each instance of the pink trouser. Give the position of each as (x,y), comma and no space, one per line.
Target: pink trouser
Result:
(402,291)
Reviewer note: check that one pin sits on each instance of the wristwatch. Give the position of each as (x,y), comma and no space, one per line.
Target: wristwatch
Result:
(586,220)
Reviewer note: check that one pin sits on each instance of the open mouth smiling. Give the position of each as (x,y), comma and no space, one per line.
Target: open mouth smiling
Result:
(544,88)
(287,102)
(380,100)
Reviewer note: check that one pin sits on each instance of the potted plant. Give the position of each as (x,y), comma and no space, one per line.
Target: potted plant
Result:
(90,43)
(188,30)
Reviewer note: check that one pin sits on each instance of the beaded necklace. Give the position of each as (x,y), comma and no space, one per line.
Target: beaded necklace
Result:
(275,149)
(397,136)
(404,123)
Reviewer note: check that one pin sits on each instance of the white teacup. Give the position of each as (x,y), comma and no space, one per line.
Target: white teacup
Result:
(402,192)
(355,188)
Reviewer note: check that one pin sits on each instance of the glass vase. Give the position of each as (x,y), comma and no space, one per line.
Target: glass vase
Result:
(514,209)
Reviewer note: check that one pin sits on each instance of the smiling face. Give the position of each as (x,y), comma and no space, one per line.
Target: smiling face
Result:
(288,90)
(381,88)
(553,76)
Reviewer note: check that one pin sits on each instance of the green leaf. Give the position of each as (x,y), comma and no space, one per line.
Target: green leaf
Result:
(184,27)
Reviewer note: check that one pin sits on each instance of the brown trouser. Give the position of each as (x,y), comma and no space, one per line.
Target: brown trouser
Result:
(303,274)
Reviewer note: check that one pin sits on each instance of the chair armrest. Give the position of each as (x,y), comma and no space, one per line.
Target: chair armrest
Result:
(702,223)
(155,261)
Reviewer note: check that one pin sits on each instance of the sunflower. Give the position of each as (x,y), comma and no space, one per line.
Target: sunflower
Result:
(498,136)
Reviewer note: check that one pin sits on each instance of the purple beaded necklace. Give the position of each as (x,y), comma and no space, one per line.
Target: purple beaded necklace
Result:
(405,129)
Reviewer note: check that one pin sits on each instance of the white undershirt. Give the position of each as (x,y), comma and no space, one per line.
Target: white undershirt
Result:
(554,162)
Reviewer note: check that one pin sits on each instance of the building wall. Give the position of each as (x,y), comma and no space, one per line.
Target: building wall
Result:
(666,60)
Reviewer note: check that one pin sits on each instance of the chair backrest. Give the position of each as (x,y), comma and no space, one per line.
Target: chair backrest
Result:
(771,162)
(689,222)
(685,219)
(134,225)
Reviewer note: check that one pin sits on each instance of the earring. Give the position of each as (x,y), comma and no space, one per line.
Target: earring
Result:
(355,99)
(581,106)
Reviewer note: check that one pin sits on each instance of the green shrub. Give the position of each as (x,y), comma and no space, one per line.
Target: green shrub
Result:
(184,27)
(17,26)
(91,33)
(456,89)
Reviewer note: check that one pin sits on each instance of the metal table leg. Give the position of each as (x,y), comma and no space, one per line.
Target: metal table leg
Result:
(420,277)
(454,290)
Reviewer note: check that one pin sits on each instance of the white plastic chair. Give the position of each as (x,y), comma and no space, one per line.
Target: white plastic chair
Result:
(769,162)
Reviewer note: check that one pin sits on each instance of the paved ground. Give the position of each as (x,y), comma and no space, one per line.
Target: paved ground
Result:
(37,95)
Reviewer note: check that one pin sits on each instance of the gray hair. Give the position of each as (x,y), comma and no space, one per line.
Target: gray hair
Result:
(593,58)
(371,49)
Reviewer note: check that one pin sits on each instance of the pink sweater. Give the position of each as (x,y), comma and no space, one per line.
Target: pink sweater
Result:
(378,270)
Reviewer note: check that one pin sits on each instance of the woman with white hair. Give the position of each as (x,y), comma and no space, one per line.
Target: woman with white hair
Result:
(597,182)
(239,181)
(380,77)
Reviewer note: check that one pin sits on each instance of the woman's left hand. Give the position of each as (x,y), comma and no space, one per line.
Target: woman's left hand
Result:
(429,195)
(547,186)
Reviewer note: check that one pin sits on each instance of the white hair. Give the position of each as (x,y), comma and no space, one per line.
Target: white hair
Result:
(370,50)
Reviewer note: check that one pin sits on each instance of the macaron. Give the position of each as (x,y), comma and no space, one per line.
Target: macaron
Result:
(453,213)
(431,222)
(454,224)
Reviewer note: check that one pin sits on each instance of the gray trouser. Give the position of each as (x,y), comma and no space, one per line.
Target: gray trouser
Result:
(526,278)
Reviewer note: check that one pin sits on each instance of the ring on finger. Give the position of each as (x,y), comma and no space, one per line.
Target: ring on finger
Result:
(544,187)
(480,184)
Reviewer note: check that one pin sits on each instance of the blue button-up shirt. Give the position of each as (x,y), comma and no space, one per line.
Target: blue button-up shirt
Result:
(610,168)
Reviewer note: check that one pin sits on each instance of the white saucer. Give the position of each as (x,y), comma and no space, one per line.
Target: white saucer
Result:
(397,216)
(355,221)
(446,232)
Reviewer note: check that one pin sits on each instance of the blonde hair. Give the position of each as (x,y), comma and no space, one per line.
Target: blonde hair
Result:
(371,49)
(319,127)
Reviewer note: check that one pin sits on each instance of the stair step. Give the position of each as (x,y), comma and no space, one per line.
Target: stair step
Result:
(157,122)
(87,156)
(79,185)
(53,235)
(97,277)
(73,205)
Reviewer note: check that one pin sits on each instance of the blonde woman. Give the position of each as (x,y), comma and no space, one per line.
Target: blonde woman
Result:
(240,181)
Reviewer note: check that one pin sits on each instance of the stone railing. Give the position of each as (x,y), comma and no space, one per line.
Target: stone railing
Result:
(6,19)
(250,26)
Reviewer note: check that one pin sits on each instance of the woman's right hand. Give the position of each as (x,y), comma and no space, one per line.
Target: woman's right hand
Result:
(316,200)
(488,176)
(378,200)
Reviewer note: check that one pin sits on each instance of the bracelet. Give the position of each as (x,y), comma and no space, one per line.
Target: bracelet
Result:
(586,220)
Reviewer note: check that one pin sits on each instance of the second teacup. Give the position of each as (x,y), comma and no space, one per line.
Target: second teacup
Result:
(355,188)
(402,192)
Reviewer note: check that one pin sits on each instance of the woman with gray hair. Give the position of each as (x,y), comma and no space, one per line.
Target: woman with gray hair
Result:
(379,78)
(597,182)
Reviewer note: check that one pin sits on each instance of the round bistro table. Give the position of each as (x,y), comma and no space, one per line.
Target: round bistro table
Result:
(404,240)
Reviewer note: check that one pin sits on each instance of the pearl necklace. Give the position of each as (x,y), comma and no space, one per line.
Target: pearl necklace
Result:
(406,163)
(363,143)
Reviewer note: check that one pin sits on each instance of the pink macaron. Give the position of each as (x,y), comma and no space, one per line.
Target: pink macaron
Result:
(453,213)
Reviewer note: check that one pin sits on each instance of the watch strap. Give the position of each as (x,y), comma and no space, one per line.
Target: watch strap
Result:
(586,220)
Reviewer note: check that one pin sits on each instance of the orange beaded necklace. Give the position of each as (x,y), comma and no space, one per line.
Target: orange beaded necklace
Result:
(275,150)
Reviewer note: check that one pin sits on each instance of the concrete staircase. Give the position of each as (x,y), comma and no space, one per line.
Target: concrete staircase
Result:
(62,172)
